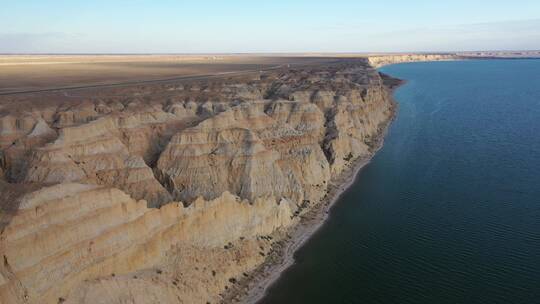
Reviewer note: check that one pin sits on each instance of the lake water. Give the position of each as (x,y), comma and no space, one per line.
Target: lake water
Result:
(448,211)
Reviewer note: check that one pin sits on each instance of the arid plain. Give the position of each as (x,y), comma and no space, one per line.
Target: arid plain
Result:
(36,72)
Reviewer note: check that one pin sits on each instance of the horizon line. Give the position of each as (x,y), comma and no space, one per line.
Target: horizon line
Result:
(267,53)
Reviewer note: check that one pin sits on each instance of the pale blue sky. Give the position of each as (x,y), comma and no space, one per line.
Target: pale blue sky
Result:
(97,26)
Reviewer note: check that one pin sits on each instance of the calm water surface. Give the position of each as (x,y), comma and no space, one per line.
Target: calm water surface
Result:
(449,210)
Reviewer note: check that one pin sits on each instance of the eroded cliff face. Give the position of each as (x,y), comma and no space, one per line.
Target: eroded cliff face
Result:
(250,152)
(65,234)
(166,193)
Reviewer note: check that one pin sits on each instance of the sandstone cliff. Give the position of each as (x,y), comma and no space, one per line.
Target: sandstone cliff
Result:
(381,60)
(65,234)
(169,192)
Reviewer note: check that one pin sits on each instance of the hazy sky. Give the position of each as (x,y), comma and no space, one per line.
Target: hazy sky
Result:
(91,26)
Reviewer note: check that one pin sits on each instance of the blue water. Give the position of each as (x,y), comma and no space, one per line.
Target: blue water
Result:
(448,211)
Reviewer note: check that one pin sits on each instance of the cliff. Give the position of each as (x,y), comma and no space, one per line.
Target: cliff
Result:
(66,234)
(171,192)
(382,60)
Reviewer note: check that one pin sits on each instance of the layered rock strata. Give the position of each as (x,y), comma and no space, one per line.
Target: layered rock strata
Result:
(170,192)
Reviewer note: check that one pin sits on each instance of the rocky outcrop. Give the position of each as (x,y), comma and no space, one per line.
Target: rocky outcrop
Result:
(170,192)
(93,153)
(68,233)
(250,153)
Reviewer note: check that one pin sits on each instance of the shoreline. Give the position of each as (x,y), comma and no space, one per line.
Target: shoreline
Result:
(253,288)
